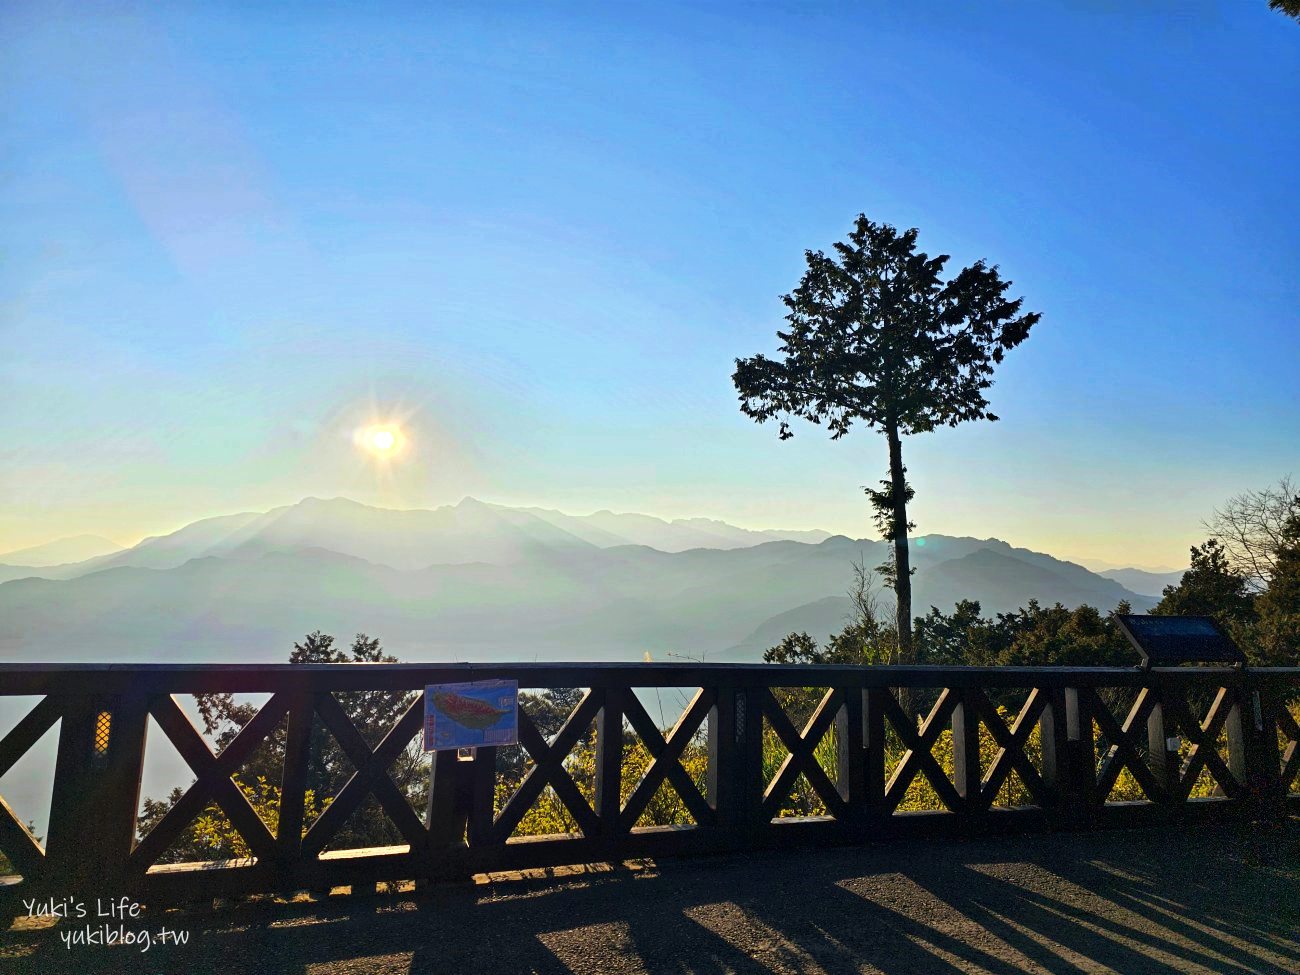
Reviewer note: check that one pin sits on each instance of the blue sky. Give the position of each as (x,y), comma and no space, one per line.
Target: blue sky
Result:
(537,237)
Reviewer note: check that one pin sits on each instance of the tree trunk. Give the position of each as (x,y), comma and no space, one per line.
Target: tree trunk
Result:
(902,566)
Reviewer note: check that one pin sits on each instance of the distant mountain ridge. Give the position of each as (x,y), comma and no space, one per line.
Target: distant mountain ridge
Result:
(77,548)
(470,531)
(1139,580)
(485,581)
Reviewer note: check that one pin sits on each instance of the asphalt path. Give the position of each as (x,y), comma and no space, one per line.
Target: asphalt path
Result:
(1199,900)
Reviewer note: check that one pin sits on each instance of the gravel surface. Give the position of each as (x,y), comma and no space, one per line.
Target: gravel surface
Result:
(1184,900)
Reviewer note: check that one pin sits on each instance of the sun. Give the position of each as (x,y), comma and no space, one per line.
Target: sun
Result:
(382,441)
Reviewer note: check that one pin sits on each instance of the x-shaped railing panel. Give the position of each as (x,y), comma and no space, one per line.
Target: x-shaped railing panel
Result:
(1204,736)
(1122,753)
(919,756)
(802,757)
(666,761)
(370,778)
(16,840)
(548,769)
(214,782)
(1011,748)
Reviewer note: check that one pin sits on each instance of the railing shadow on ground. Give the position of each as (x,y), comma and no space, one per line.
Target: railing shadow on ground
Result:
(1204,899)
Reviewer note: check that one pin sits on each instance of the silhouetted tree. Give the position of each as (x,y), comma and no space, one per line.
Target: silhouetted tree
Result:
(1279,606)
(1289,7)
(875,334)
(1249,526)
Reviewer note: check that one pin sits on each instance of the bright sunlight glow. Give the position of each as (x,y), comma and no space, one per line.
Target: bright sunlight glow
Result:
(381,441)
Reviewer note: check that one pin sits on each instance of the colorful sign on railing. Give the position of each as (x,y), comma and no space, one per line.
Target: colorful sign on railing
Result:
(471,715)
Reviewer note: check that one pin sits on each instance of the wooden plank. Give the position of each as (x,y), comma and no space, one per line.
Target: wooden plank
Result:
(1082,794)
(115,795)
(29,731)
(24,679)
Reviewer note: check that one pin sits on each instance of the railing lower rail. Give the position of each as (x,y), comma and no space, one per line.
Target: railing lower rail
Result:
(1190,743)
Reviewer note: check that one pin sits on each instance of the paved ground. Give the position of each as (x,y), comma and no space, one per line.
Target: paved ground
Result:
(1194,900)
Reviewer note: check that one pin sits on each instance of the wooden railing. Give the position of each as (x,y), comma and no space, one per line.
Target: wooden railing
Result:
(1233,732)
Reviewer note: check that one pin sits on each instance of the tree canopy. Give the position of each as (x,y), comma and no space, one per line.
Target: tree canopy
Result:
(876,335)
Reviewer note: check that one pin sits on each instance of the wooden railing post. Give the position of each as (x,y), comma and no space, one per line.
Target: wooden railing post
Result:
(1255,750)
(481,796)
(1053,738)
(736,765)
(1164,761)
(1080,792)
(735,743)
(966,754)
(720,731)
(293,778)
(96,793)
(447,813)
(873,735)
(609,761)
(850,736)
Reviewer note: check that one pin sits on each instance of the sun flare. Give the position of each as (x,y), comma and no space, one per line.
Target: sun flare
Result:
(382,441)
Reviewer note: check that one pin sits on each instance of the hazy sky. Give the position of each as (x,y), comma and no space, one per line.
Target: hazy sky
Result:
(539,235)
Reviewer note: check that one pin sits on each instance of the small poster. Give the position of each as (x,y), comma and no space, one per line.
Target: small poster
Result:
(471,715)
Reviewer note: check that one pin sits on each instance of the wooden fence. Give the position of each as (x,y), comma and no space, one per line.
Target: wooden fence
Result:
(1233,732)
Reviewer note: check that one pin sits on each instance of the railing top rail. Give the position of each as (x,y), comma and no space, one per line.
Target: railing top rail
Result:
(106,678)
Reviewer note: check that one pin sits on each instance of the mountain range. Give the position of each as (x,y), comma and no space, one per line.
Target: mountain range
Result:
(481,581)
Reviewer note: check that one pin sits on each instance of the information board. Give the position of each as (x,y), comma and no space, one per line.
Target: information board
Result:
(471,715)
(1166,641)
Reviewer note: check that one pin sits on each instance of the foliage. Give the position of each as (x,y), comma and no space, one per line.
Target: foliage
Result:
(876,335)
(1053,636)
(213,837)
(1032,636)
(1279,606)
(549,815)
(866,638)
(1247,575)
